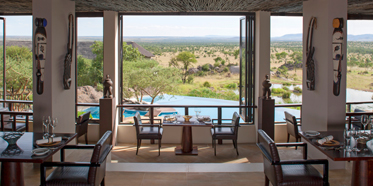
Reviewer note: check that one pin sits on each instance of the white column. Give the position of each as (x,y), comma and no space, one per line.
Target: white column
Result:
(55,101)
(262,53)
(111,49)
(321,109)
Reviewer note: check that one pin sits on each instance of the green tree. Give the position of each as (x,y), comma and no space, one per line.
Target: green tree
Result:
(284,71)
(236,53)
(281,55)
(186,59)
(96,69)
(297,57)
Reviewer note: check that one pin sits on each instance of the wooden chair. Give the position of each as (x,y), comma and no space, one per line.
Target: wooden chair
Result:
(147,131)
(81,126)
(9,120)
(79,173)
(292,126)
(226,131)
(290,172)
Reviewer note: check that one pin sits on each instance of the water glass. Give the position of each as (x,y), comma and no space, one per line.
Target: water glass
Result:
(53,124)
(365,120)
(347,136)
(198,111)
(46,122)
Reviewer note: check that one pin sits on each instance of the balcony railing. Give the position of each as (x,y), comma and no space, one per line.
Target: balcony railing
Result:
(186,109)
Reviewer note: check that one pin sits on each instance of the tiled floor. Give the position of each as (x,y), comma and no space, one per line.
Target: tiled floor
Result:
(167,174)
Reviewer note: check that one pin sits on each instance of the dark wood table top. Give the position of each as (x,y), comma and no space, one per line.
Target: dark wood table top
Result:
(21,152)
(337,155)
(193,122)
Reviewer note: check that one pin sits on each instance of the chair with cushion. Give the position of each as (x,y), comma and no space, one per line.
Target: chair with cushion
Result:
(225,131)
(79,173)
(292,126)
(290,172)
(147,131)
(81,127)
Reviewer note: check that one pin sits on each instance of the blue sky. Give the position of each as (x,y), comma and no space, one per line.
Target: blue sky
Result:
(180,26)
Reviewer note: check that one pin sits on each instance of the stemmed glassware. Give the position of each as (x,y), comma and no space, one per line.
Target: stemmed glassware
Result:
(365,120)
(46,122)
(347,135)
(198,111)
(53,124)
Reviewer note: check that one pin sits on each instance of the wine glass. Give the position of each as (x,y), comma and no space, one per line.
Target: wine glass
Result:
(46,121)
(198,111)
(53,124)
(347,136)
(365,120)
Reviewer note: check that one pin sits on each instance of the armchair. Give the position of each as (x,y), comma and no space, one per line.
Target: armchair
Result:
(79,173)
(9,120)
(81,126)
(147,131)
(226,131)
(290,172)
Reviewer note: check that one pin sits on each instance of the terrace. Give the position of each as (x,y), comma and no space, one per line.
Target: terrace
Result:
(320,109)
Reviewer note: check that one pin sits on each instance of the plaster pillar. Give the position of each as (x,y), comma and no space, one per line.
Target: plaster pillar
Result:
(321,109)
(262,55)
(55,101)
(111,67)
(111,50)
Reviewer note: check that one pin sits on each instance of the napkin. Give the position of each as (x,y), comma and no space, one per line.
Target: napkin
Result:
(326,139)
(49,140)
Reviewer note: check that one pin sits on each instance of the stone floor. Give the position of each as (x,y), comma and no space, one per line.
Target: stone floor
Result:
(148,158)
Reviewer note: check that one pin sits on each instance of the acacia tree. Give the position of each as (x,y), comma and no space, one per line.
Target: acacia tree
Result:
(184,60)
(281,55)
(146,77)
(297,57)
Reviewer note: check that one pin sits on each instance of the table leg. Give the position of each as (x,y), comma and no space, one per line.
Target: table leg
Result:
(187,147)
(12,174)
(362,173)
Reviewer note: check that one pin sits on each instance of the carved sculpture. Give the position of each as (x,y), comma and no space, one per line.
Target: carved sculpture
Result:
(108,87)
(337,54)
(68,57)
(310,50)
(40,45)
(266,88)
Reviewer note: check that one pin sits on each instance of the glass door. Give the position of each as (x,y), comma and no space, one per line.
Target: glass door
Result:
(247,67)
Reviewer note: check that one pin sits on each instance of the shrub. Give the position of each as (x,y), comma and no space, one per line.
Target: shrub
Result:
(231,86)
(226,69)
(286,83)
(100,87)
(206,84)
(190,79)
(200,73)
(223,62)
(205,67)
(216,64)
(285,88)
(297,89)
(277,90)
(286,95)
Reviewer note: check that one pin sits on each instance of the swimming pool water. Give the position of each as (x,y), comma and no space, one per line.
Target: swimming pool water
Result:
(188,100)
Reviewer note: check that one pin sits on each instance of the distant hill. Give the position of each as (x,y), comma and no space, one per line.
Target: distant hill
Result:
(298,37)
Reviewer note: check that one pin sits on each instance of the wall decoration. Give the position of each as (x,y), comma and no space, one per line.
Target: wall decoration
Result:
(337,54)
(310,50)
(40,51)
(68,57)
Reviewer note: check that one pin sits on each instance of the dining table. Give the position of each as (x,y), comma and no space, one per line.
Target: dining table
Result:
(16,148)
(186,147)
(362,174)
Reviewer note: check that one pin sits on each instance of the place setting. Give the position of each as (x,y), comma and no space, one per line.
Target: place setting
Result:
(50,140)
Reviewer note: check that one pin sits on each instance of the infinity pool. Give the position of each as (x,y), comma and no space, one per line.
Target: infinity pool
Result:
(187,100)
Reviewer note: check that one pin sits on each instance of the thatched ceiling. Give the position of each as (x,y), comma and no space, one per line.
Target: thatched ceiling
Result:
(175,6)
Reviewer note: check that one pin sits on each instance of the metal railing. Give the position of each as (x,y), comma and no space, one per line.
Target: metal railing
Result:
(287,106)
(186,108)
